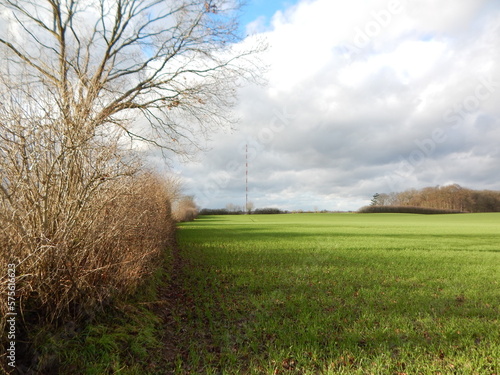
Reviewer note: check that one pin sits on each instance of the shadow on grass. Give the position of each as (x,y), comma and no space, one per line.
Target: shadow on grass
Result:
(255,318)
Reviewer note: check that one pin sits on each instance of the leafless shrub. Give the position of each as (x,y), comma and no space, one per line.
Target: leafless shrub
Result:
(185,209)
(115,242)
(77,217)
(113,247)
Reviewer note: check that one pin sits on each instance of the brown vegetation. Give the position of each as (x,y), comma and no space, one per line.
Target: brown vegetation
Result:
(82,86)
(69,271)
(404,210)
(448,198)
(185,209)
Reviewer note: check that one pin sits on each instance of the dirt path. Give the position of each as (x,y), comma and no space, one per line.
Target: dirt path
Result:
(172,308)
(181,325)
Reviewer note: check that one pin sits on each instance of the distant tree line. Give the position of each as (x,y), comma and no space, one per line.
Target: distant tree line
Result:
(453,198)
(220,211)
(227,211)
(405,210)
(268,211)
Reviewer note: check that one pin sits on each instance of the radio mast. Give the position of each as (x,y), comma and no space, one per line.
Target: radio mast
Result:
(246,178)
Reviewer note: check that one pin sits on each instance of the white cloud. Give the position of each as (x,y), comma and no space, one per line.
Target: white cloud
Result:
(347,115)
(256,26)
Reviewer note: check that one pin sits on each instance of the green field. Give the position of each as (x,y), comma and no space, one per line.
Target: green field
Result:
(340,294)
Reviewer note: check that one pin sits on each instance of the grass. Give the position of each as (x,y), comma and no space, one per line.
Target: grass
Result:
(341,294)
(126,337)
(121,344)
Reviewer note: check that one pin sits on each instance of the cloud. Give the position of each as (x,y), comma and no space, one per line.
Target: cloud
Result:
(257,26)
(363,99)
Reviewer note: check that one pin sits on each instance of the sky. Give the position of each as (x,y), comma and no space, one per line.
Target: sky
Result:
(362,97)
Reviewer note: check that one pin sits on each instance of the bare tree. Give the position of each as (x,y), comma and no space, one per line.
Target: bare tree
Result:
(81,84)
(78,76)
(160,71)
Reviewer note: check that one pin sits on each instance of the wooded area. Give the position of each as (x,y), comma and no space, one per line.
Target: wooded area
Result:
(451,197)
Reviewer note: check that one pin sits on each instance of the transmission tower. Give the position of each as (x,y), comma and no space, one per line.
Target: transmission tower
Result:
(246,178)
